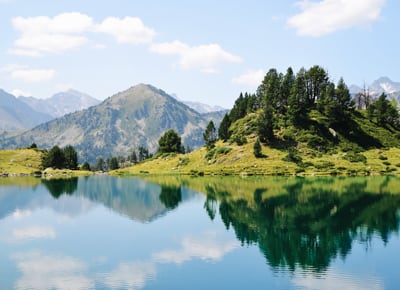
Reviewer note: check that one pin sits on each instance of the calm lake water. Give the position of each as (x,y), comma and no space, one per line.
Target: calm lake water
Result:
(105,232)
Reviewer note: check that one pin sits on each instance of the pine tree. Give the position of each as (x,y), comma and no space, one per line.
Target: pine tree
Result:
(223,130)
(170,142)
(71,157)
(210,135)
(257,151)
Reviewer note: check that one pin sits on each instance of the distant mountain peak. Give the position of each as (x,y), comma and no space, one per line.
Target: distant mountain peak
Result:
(381,85)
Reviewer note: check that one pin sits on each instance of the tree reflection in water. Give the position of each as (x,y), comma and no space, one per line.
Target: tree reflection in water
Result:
(309,226)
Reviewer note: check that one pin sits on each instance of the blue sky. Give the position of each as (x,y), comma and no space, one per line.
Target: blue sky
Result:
(206,51)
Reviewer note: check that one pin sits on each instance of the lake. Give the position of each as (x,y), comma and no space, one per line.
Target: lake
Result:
(106,232)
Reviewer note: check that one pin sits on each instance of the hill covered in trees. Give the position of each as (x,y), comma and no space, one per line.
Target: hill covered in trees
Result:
(294,124)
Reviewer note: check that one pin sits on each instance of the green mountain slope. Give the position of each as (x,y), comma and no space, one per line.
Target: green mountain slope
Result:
(132,118)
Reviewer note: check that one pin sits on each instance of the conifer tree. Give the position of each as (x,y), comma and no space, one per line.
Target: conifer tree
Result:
(223,130)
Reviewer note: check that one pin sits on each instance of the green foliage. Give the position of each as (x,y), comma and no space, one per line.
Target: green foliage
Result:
(71,158)
(384,112)
(143,153)
(355,157)
(86,166)
(170,142)
(33,146)
(100,165)
(293,156)
(240,139)
(210,136)
(170,196)
(257,150)
(223,130)
(61,158)
(215,152)
(112,163)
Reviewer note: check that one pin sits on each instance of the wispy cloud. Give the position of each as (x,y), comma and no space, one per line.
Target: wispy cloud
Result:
(33,75)
(250,78)
(26,74)
(130,30)
(40,271)
(332,280)
(132,275)
(327,16)
(33,232)
(205,247)
(206,58)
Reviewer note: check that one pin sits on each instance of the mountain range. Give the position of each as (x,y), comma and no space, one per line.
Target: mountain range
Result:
(62,103)
(135,117)
(379,86)
(16,115)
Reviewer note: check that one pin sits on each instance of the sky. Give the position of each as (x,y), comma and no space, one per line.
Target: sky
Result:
(204,51)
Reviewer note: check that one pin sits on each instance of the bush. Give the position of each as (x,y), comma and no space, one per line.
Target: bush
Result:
(355,157)
(293,156)
(386,163)
(381,157)
(239,140)
(325,165)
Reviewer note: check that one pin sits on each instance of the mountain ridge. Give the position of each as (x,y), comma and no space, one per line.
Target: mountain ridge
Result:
(135,117)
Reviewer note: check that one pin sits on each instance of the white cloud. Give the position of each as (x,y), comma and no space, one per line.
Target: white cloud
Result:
(33,75)
(205,247)
(33,232)
(41,271)
(129,30)
(250,78)
(203,57)
(332,281)
(19,214)
(44,34)
(67,31)
(327,16)
(132,275)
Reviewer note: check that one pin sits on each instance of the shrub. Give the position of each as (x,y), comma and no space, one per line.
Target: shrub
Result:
(293,156)
(355,157)
(325,165)
(381,157)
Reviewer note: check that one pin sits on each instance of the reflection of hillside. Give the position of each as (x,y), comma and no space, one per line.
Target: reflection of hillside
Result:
(311,221)
(132,197)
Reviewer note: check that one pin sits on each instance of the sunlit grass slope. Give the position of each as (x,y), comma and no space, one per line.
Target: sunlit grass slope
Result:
(21,161)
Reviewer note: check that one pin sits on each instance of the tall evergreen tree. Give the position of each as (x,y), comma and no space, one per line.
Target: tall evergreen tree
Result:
(100,165)
(71,157)
(223,130)
(54,158)
(265,124)
(257,150)
(298,105)
(210,135)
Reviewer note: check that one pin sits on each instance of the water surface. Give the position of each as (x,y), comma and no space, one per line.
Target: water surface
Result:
(106,232)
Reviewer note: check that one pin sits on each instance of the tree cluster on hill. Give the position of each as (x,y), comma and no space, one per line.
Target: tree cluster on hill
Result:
(283,100)
(59,158)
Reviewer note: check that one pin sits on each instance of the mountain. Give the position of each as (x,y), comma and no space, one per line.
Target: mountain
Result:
(137,116)
(15,114)
(62,103)
(379,86)
(384,85)
(199,107)
(203,108)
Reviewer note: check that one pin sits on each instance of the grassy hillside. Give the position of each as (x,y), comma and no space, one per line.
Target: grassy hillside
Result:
(362,148)
(22,161)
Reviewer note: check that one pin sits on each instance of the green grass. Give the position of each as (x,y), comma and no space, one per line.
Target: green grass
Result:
(22,161)
(362,148)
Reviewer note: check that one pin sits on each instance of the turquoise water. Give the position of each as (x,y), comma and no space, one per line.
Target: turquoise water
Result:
(127,233)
